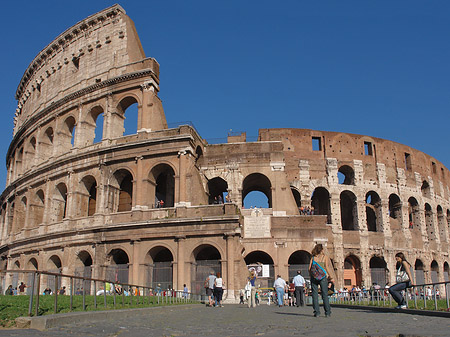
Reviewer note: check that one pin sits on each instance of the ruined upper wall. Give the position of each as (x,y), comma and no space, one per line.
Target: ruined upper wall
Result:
(103,46)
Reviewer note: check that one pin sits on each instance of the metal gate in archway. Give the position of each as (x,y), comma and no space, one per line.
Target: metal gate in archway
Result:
(200,270)
(160,273)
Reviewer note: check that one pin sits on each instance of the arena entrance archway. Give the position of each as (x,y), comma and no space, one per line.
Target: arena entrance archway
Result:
(118,270)
(160,268)
(352,271)
(377,267)
(299,260)
(420,273)
(206,259)
(262,263)
(83,267)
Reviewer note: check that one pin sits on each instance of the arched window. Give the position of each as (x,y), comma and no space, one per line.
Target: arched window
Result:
(37,213)
(31,152)
(434,268)
(88,200)
(20,218)
(349,211)
(93,127)
(395,210)
(46,144)
(420,274)
(129,108)
(67,134)
(373,212)
(320,202)
(446,271)
(377,267)
(346,175)
(297,197)
(60,202)
(441,223)
(256,182)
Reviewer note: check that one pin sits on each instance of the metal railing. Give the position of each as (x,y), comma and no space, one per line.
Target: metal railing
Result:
(425,292)
(144,295)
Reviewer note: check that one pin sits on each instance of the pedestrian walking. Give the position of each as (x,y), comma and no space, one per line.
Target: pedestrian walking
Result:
(322,272)
(218,289)
(299,284)
(404,280)
(209,285)
(251,300)
(279,285)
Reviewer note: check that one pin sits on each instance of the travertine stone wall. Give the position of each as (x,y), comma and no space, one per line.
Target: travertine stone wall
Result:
(72,203)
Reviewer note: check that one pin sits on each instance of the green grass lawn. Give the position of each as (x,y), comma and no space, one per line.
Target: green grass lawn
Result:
(12,307)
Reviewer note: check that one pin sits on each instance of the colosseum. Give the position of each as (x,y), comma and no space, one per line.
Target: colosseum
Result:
(163,205)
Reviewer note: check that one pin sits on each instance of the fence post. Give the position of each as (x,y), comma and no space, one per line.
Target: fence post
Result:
(84,294)
(38,287)
(415,298)
(104,293)
(30,306)
(71,293)
(123,296)
(424,298)
(56,294)
(435,298)
(95,294)
(114,293)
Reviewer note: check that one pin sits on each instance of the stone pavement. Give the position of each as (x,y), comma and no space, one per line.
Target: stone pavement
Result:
(238,320)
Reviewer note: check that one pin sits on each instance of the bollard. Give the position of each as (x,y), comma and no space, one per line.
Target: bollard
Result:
(30,306)
(435,299)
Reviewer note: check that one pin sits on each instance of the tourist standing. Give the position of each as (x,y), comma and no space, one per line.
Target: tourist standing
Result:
(404,280)
(251,300)
(279,285)
(218,290)
(210,287)
(22,287)
(322,273)
(299,284)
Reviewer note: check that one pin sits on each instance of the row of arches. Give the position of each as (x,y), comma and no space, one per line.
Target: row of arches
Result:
(74,129)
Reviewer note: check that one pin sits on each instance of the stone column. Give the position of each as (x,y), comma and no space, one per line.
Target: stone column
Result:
(180,263)
(230,284)
(181,181)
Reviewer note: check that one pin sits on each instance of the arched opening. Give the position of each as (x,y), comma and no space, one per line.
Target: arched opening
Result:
(429,222)
(206,259)
(163,177)
(346,175)
(160,268)
(124,181)
(256,182)
(96,117)
(19,162)
(434,268)
(20,218)
(262,263)
(378,267)
(420,273)
(31,265)
(31,152)
(352,271)
(441,223)
(413,213)
(299,260)
(446,272)
(117,271)
(425,188)
(320,202)
(349,211)
(198,154)
(83,268)
(88,196)
(373,212)
(37,208)
(60,202)
(395,211)
(218,190)
(54,266)
(67,134)
(129,110)
(46,144)
(297,197)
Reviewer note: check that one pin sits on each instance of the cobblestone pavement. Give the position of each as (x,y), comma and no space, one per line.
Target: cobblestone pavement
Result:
(238,320)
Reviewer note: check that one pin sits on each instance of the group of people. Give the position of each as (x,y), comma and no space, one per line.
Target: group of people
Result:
(20,290)
(306,210)
(322,276)
(214,286)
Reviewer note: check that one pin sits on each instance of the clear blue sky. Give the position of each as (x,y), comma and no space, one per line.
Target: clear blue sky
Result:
(379,68)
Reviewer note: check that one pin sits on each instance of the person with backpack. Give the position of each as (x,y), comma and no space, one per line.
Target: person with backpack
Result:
(322,273)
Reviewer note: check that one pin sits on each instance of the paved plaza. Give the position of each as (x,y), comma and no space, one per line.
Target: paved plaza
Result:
(238,320)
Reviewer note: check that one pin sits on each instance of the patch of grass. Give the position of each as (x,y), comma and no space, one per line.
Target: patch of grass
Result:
(12,307)
(441,304)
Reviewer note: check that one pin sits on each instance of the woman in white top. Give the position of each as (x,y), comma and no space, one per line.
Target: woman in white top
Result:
(218,290)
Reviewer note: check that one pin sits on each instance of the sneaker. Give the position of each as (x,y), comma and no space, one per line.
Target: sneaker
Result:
(403,306)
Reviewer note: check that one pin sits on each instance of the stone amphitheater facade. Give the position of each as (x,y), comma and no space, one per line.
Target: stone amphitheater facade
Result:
(80,206)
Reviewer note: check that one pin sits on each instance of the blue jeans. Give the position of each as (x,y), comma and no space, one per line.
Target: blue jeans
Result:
(315,295)
(396,292)
(280,295)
